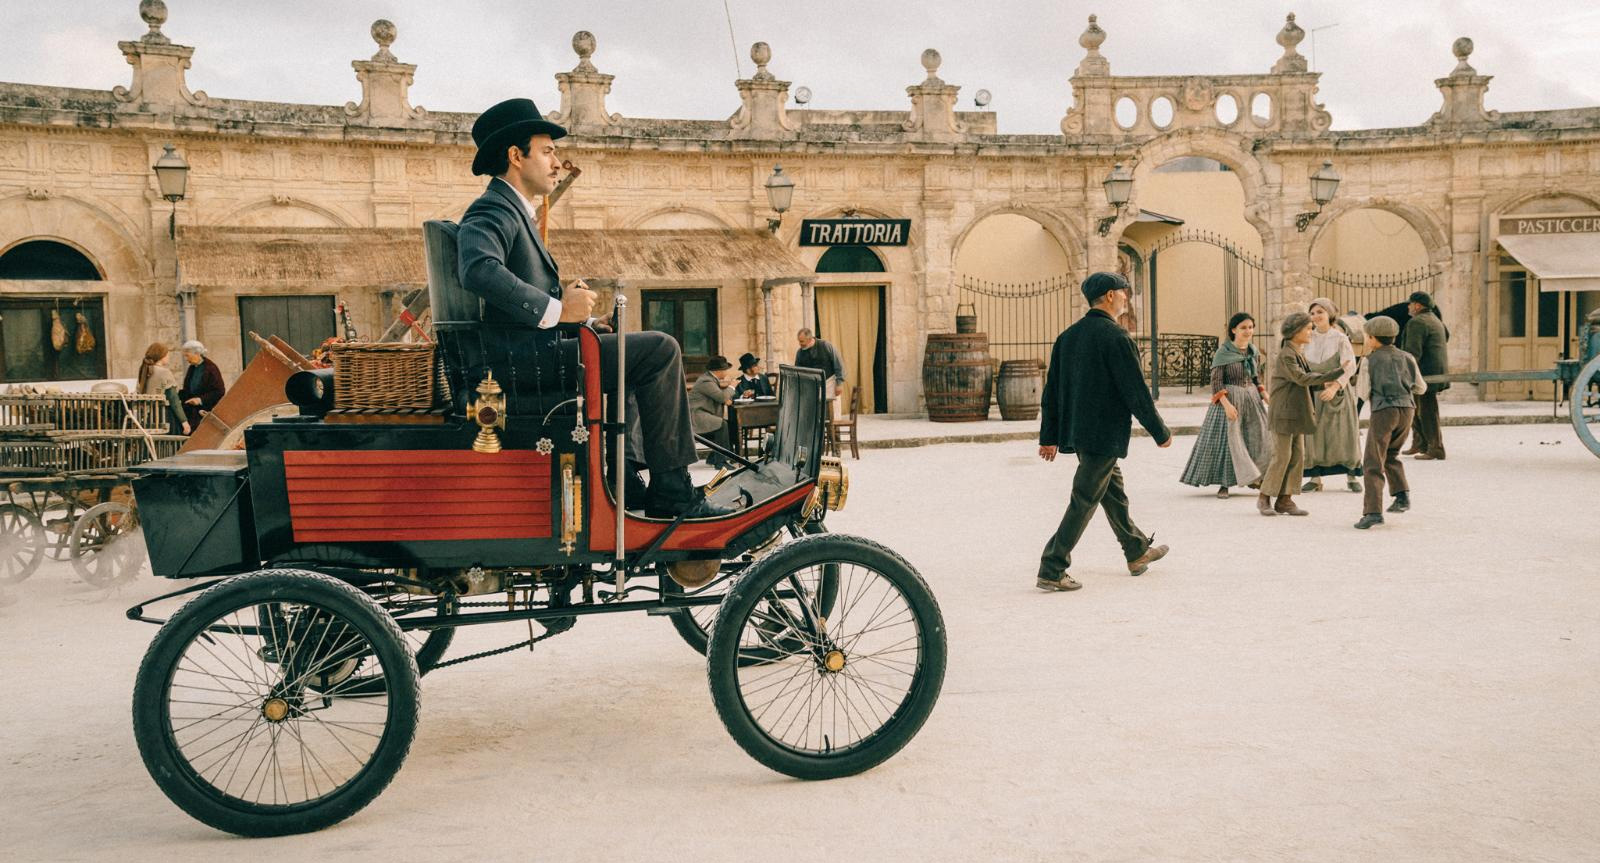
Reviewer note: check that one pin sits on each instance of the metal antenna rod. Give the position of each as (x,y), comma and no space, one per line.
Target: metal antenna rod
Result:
(619,403)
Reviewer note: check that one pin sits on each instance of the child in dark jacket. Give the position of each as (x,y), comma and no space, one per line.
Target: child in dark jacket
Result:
(1390,383)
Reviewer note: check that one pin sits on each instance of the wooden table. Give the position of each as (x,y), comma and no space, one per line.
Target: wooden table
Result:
(749,414)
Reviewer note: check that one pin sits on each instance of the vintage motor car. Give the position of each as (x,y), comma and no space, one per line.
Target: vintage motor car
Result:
(334,561)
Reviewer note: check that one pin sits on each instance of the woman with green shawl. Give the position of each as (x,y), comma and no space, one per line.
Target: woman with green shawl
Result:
(1233,445)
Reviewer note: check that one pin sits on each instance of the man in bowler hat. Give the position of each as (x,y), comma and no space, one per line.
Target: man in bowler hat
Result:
(503,260)
(1093,390)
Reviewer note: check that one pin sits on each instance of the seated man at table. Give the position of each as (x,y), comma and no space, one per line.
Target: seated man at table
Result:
(707,401)
(751,381)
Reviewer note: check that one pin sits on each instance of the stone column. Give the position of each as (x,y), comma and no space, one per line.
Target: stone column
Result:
(583,93)
(385,85)
(158,69)
(933,106)
(762,114)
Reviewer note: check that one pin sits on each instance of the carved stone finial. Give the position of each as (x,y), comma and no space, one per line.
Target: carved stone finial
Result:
(933,104)
(761,54)
(384,33)
(1093,36)
(154,13)
(583,45)
(1463,49)
(1289,37)
(1091,40)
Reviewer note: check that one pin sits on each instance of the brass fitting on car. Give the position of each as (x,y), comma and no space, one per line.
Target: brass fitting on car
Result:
(489,410)
(833,488)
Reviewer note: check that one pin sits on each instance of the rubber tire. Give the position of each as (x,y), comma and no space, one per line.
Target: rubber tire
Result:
(1587,377)
(150,708)
(722,668)
(690,630)
(13,517)
(80,528)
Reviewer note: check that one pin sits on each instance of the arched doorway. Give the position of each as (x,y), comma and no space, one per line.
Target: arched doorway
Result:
(852,317)
(1014,276)
(1369,259)
(46,334)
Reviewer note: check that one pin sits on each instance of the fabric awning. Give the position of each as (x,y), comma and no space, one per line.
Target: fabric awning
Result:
(1562,262)
(705,255)
(328,258)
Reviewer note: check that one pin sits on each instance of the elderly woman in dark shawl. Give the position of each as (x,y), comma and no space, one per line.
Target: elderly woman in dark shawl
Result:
(1233,444)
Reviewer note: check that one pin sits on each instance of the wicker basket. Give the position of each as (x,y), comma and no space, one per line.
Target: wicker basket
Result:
(382,375)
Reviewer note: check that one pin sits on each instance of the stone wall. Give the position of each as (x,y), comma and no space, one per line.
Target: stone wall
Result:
(74,166)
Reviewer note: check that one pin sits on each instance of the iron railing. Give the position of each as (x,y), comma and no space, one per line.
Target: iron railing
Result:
(1365,293)
(1185,358)
(1022,319)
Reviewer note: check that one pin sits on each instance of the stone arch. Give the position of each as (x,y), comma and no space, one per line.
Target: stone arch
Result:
(102,235)
(1232,150)
(1055,224)
(1515,200)
(282,211)
(714,220)
(1428,225)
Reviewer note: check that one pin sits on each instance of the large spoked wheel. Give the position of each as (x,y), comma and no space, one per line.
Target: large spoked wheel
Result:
(22,542)
(104,550)
(694,624)
(1586,406)
(427,646)
(838,691)
(241,717)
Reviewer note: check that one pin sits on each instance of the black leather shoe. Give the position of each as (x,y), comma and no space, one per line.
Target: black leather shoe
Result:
(1369,520)
(1402,502)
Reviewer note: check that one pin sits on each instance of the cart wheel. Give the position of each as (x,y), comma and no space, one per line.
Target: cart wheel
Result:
(22,542)
(103,551)
(847,689)
(235,719)
(694,624)
(1586,405)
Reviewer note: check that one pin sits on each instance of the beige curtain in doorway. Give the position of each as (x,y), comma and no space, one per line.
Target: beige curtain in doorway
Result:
(847,316)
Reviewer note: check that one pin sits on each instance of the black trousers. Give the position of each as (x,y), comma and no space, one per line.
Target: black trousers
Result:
(1425,434)
(1096,485)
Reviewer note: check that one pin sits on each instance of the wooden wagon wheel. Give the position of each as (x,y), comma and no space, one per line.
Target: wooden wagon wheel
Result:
(22,542)
(104,550)
(1586,406)
(234,439)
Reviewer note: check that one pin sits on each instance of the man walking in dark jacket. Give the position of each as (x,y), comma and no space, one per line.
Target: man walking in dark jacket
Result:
(1092,392)
(1425,338)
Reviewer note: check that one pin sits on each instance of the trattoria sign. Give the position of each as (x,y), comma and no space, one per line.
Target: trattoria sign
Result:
(1575,223)
(855,232)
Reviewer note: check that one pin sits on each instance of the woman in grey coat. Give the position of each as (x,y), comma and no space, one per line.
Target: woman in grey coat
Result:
(707,401)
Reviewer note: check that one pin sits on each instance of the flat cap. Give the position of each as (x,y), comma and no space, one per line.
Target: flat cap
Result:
(1382,327)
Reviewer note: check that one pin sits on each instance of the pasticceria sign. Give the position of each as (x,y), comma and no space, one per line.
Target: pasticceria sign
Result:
(1567,223)
(855,232)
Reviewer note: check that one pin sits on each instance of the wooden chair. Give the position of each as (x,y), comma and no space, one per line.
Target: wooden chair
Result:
(842,431)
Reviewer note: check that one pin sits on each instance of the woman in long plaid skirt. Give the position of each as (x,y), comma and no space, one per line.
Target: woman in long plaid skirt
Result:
(1233,444)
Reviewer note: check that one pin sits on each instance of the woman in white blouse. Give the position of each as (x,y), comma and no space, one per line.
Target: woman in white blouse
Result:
(1335,448)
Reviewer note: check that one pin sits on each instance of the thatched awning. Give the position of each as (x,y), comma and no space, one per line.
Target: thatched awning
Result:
(366,257)
(698,255)
(324,257)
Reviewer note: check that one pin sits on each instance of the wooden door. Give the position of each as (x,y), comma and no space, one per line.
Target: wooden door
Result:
(1533,329)
(303,321)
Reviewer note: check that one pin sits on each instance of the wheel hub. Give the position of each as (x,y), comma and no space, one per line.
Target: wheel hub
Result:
(275,709)
(833,660)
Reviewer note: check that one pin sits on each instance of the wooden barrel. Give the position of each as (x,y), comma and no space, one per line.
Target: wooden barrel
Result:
(1018,388)
(957,377)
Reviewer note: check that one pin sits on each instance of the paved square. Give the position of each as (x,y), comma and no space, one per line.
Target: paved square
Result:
(1283,689)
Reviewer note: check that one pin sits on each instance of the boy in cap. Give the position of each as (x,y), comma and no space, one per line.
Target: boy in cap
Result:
(1390,382)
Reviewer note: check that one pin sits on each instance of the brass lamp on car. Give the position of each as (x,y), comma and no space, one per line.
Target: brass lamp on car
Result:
(489,410)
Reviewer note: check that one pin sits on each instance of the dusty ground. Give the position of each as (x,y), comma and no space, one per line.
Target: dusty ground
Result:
(1275,690)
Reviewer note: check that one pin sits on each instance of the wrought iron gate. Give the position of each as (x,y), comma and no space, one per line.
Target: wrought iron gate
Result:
(1022,319)
(1185,358)
(1366,293)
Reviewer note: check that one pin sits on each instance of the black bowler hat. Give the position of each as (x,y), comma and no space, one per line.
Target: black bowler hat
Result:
(748,360)
(510,122)
(718,363)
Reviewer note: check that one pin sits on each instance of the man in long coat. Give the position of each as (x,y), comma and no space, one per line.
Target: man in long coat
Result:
(1425,337)
(504,262)
(1092,392)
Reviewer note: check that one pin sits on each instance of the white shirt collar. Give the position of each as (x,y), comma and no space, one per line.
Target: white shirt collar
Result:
(527,205)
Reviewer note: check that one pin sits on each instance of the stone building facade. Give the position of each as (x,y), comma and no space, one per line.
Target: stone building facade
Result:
(75,179)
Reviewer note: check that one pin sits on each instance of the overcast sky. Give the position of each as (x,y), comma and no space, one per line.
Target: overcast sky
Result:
(674,58)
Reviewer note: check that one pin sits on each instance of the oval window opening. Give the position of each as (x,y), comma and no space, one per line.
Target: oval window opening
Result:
(1127,113)
(1261,108)
(1227,109)
(1161,112)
